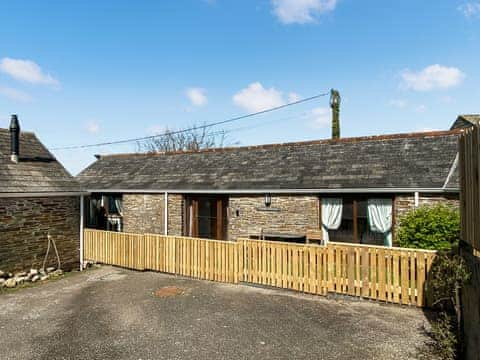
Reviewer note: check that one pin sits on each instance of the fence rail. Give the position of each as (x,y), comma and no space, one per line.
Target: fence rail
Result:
(392,275)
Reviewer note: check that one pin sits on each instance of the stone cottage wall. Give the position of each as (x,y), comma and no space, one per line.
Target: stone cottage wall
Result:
(144,213)
(175,214)
(286,214)
(24,225)
(406,202)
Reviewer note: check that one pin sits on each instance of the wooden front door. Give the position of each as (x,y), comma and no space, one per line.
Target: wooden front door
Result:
(206,217)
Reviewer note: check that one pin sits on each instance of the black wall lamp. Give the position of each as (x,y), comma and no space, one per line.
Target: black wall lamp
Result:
(268,200)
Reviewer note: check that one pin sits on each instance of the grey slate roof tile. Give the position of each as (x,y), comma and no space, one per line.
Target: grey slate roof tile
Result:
(37,171)
(421,160)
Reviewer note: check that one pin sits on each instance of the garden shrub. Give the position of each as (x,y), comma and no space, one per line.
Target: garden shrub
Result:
(430,227)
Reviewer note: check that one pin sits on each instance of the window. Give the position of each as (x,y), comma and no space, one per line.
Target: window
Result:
(206,217)
(354,227)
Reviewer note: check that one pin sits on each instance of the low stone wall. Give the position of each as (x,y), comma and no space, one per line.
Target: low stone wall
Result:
(24,225)
(286,214)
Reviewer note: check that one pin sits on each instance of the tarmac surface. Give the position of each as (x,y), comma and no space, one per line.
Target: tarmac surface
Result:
(112,313)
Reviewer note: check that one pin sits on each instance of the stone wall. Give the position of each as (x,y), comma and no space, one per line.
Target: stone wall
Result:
(406,202)
(286,214)
(175,214)
(24,225)
(143,213)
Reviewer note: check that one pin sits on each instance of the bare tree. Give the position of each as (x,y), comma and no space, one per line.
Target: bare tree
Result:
(196,138)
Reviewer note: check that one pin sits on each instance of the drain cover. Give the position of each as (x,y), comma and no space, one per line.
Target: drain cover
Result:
(168,291)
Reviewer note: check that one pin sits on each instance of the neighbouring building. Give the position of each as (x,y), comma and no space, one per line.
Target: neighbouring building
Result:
(351,189)
(466,121)
(37,197)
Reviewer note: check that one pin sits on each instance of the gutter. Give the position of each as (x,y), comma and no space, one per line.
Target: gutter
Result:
(278,191)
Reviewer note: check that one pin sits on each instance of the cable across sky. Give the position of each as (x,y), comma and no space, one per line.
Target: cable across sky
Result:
(205,126)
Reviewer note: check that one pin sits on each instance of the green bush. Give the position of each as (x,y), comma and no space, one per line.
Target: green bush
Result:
(430,227)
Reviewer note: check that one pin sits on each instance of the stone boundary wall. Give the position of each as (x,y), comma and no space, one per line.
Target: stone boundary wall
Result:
(24,225)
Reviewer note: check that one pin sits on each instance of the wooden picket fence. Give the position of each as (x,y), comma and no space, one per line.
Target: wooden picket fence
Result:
(192,257)
(387,274)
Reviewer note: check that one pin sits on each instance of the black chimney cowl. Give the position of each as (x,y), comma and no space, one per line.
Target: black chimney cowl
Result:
(14,139)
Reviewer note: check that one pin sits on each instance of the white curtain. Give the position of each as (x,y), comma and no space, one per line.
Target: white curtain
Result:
(331,216)
(119,206)
(380,218)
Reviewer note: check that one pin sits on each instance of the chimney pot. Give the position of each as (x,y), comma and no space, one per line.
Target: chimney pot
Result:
(14,139)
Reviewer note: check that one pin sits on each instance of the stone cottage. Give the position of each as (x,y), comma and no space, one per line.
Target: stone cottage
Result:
(37,197)
(348,189)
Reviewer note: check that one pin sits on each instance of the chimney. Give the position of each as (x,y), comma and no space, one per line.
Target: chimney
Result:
(14,139)
(335,105)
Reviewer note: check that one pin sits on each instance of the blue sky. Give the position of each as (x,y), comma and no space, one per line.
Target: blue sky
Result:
(92,71)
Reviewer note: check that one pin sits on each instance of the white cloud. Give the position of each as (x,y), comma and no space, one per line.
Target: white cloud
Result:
(92,127)
(432,77)
(293,97)
(15,95)
(26,70)
(197,96)
(320,117)
(301,11)
(256,98)
(470,9)
(398,103)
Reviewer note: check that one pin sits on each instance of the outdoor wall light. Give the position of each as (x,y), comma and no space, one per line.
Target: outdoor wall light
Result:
(268,200)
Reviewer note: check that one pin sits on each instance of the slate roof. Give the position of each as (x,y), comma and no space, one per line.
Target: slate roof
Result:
(403,161)
(465,121)
(37,170)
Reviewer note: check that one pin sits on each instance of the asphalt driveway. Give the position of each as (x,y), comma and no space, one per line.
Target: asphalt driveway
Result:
(112,313)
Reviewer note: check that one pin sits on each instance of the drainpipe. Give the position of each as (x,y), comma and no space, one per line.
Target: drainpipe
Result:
(81,230)
(417,199)
(166,213)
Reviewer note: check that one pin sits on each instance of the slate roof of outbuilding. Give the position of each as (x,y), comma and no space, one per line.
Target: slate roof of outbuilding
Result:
(402,161)
(37,170)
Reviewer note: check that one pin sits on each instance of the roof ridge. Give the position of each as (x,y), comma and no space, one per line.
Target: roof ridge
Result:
(21,131)
(295,143)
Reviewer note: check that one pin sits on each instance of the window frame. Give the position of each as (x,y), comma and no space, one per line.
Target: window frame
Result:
(355,199)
